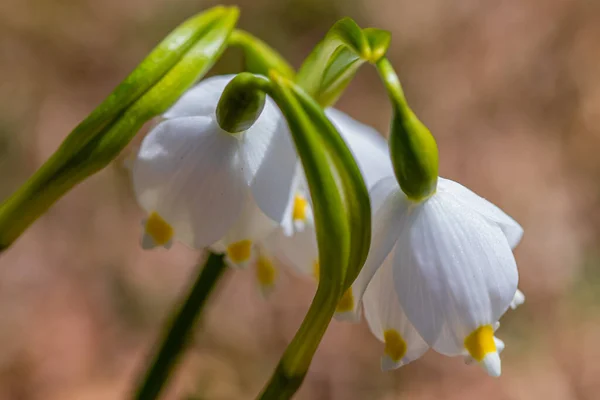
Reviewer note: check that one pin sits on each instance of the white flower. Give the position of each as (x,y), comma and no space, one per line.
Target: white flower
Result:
(388,322)
(451,275)
(201,184)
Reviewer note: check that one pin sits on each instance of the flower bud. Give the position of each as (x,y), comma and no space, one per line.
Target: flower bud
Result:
(240,104)
(413,149)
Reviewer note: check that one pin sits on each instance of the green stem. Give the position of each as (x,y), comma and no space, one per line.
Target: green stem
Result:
(392,85)
(178,333)
(260,58)
(293,366)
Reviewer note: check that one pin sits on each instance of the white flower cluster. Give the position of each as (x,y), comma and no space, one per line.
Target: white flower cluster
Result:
(440,272)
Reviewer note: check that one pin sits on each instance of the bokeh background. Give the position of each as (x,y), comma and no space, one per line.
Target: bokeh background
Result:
(511,89)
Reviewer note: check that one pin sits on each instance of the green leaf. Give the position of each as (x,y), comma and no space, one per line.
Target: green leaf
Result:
(348,33)
(323,176)
(159,80)
(355,193)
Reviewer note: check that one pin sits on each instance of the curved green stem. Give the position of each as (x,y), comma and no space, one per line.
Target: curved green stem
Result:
(292,368)
(180,329)
(260,58)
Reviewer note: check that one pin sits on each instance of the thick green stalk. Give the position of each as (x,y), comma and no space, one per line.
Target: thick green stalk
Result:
(288,377)
(180,329)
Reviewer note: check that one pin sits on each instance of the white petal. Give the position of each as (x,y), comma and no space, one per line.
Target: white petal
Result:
(290,224)
(518,299)
(510,227)
(492,365)
(187,172)
(389,207)
(384,314)
(300,251)
(270,161)
(201,100)
(252,224)
(369,148)
(454,272)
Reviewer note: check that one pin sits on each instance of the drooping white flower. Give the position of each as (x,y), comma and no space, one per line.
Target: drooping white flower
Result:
(201,184)
(388,322)
(453,270)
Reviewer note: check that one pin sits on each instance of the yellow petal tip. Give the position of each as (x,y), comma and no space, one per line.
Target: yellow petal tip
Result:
(346,303)
(395,346)
(158,229)
(239,252)
(480,342)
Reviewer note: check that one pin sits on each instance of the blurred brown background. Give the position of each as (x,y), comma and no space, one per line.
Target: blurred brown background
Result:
(511,89)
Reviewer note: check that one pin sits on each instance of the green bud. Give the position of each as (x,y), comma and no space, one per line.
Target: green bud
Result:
(240,104)
(259,57)
(183,57)
(413,149)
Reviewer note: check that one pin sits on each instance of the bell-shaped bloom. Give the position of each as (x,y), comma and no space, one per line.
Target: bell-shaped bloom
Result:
(388,322)
(453,271)
(201,184)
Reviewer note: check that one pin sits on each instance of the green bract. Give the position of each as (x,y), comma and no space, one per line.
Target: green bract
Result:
(170,69)
(333,63)
(412,147)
